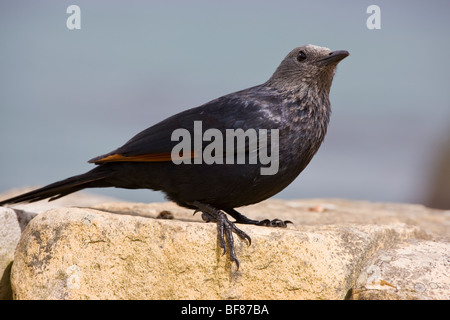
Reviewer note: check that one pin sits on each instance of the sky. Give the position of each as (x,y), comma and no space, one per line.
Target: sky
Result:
(67,96)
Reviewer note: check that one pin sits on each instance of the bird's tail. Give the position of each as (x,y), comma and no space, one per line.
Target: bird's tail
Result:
(90,179)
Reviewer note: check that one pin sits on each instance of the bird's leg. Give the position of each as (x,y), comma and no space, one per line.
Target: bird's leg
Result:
(240,218)
(225,228)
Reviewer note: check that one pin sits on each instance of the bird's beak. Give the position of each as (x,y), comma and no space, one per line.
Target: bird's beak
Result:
(335,56)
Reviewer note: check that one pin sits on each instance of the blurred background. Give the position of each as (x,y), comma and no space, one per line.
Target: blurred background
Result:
(69,95)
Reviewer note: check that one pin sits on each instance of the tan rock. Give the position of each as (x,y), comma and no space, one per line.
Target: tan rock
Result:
(14,220)
(415,270)
(82,253)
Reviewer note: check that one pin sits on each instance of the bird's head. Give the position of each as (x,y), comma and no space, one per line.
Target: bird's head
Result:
(307,66)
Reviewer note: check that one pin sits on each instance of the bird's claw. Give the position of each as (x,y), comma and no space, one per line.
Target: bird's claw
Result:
(225,229)
(266,222)
(274,223)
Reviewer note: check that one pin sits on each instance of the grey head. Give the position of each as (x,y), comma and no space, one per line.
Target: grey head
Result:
(309,67)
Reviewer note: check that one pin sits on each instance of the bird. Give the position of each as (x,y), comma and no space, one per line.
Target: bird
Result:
(290,112)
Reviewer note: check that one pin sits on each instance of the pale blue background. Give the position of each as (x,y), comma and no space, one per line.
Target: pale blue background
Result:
(67,96)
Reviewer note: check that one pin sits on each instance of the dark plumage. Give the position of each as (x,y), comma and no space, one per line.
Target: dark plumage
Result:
(295,100)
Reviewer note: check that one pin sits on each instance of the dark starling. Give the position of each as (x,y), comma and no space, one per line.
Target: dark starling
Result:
(292,106)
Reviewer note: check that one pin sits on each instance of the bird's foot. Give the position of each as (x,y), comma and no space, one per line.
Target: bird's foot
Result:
(225,229)
(273,223)
(240,218)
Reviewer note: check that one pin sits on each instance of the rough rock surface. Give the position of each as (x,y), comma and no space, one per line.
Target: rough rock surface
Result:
(14,221)
(417,269)
(336,249)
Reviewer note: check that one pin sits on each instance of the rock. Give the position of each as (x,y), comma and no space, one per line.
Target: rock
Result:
(415,270)
(14,220)
(12,223)
(329,253)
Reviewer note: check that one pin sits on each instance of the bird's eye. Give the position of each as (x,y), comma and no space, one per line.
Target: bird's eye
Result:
(301,56)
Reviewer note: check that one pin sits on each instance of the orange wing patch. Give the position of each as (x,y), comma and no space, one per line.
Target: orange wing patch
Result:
(152,157)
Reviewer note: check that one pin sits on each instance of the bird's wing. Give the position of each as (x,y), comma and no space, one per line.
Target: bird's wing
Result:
(242,110)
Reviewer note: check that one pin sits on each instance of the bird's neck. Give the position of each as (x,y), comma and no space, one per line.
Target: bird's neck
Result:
(311,112)
(313,100)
